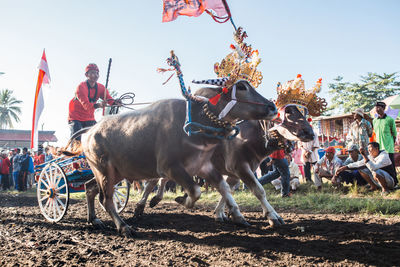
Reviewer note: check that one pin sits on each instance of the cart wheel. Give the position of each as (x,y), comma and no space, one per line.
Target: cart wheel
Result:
(121,196)
(53,192)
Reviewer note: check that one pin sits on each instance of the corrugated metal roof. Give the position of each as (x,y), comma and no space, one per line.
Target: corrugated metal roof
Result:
(25,135)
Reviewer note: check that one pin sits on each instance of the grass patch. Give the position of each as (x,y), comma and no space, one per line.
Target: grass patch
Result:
(347,199)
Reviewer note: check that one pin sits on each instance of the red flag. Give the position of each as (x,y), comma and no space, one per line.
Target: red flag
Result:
(38,105)
(193,8)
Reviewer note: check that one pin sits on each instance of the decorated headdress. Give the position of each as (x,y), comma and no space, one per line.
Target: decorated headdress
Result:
(294,92)
(241,64)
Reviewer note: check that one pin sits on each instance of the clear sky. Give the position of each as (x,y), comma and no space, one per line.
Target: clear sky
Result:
(315,38)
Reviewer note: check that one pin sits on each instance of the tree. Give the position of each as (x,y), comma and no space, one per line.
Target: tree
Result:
(348,96)
(9,109)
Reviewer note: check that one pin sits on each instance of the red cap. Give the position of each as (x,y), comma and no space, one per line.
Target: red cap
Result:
(91,66)
(330,149)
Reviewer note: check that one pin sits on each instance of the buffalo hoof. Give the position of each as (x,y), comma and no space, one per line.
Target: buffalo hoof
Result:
(181,200)
(154,201)
(221,219)
(240,221)
(139,210)
(98,224)
(276,222)
(127,231)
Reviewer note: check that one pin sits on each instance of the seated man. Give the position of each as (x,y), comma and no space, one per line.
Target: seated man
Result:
(379,172)
(294,175)
(326,167)
(347,175)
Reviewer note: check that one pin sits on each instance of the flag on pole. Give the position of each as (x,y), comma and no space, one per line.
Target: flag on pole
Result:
(38,105)
(192,8)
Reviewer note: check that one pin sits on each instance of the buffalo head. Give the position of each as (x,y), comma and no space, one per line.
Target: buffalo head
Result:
(294,125)
(242,102)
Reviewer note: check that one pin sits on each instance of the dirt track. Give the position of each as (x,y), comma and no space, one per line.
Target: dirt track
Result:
(171,235)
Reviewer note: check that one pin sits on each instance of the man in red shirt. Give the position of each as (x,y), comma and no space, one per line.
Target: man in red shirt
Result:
(83,105)
(5,170)
(281,169)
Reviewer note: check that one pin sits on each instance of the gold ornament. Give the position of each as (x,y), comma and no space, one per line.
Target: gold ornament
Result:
(241,64)
(294,92)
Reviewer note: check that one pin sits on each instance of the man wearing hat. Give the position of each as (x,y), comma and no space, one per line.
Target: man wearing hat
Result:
(326,167)
(360,129)
(84,103)
(385,131)
(344,174)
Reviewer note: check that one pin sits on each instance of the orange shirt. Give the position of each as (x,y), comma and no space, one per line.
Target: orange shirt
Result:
(81,107)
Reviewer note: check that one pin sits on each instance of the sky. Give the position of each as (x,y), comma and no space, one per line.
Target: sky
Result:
(311,37)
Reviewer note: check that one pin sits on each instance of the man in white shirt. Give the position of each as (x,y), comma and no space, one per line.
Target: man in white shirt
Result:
(309,155)
(326,167)
(294,175)
(350,176)
(379,172)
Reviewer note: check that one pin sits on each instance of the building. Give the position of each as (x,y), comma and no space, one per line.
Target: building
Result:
(22,138)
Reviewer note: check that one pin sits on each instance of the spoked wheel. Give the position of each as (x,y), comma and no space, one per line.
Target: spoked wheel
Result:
(121,195)
(52,192)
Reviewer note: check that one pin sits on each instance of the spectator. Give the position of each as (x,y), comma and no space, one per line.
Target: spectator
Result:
(309,156)
(294,175)
(379,172)
(5,171)
(326,167)
(345,174)
(281,168)
(16,167)
(266,166)
(24,169)
(47,154)
(360,129)
(385,131)
(31,171)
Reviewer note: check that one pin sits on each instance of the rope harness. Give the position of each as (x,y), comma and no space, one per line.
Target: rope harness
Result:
(224,128)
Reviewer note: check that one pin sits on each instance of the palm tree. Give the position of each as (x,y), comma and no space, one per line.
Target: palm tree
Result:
(9,109)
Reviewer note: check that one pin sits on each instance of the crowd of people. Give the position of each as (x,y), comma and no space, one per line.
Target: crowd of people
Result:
(17,169)
(370,161)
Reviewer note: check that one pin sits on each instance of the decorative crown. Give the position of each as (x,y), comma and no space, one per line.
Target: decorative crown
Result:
(241,64)
(294,92)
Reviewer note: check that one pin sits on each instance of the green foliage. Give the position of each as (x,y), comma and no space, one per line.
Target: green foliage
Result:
(9,109)
(347,96)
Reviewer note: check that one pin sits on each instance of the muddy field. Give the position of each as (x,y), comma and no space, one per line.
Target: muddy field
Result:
(173,236)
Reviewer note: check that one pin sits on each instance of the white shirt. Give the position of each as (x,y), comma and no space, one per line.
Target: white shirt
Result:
(294,170)
(382,160)
(312,147)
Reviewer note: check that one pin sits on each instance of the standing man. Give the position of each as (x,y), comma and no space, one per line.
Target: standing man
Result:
(385,131)
(24,170)
(309,155)
(16,167)
(83,105)
(360,129)
(281,168)
(5,170)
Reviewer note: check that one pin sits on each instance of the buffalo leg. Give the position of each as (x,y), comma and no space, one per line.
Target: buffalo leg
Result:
(256,188)
(160,193)
(223,188)
(146,192)
(179,175)
(91,190)
(106,180)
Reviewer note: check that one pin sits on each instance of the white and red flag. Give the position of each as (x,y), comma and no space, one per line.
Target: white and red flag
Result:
(38,105)
(192,8)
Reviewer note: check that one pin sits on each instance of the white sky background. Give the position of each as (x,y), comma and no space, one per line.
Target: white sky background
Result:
(315,38)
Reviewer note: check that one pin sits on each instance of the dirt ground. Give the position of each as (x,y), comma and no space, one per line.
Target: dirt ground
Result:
(171,235)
